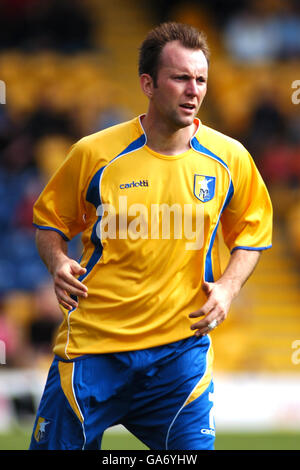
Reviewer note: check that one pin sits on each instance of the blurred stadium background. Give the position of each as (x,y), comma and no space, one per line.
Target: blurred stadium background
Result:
(70,69)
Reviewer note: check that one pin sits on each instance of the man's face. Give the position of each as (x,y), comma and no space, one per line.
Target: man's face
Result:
(180,86)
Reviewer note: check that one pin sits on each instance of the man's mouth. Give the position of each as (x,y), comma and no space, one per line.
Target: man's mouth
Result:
(189,106)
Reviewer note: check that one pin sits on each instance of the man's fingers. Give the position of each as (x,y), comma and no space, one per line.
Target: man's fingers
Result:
(66,279)
(65,300)
(204,310)
(197,313)
(65,305)
(214,310)
(71,279)
(77,269)
(205,322)
(205,328)
(209,304)
(72,287)
(217,314)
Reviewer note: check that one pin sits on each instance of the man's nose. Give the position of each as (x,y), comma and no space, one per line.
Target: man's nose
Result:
(192,88)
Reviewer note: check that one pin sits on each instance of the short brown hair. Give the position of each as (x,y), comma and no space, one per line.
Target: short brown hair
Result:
(157,38)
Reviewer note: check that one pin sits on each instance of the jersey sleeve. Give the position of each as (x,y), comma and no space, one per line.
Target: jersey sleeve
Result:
(247,220)
(61,205)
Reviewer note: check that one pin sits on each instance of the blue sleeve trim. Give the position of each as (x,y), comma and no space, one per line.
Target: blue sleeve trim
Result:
(249,248)
(135,145)
(43,227)
(93,192)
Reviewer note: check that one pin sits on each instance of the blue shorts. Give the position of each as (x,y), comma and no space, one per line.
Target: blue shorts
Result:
(162,395)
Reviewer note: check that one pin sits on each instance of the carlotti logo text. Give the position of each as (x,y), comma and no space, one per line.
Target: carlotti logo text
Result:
(134,184)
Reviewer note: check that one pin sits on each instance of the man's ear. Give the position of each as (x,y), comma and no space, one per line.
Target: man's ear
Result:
(147,84)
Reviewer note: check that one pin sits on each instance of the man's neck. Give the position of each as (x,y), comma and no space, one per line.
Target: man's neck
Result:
(167,141)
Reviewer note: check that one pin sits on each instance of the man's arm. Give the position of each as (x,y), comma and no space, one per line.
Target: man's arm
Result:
(221,293)
(53,251)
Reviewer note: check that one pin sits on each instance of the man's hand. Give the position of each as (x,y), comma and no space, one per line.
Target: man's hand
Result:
(66,283)
(219,299)
(221,293)
(64,270)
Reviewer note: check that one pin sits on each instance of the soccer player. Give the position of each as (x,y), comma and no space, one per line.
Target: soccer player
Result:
(147,196)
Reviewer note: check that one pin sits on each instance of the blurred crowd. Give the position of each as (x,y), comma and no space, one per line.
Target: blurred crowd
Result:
(30,25)
(52,67)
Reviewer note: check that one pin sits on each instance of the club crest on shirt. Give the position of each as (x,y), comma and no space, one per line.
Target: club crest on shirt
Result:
(41,429)
(204,187)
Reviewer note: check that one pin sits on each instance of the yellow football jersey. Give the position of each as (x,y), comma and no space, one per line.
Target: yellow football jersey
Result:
(149,224)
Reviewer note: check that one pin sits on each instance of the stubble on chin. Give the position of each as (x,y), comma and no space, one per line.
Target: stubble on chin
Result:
(181,122)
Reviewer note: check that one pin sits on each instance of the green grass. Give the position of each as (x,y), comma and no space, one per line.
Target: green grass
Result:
(224,441)
(18,439)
